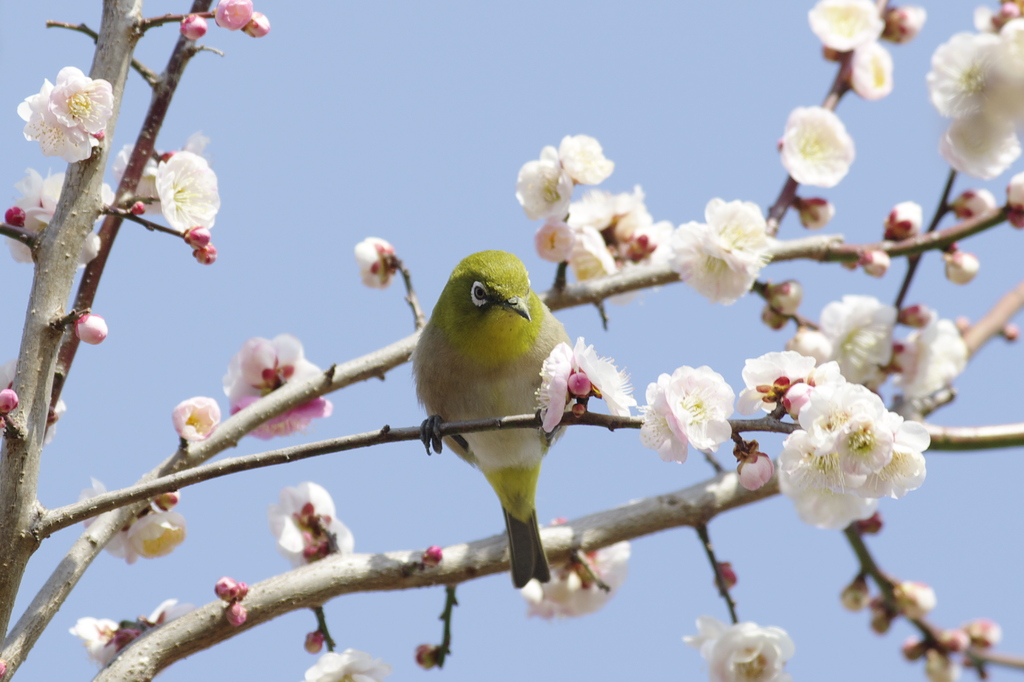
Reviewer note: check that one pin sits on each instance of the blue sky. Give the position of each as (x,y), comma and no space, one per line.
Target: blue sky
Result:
(409,121)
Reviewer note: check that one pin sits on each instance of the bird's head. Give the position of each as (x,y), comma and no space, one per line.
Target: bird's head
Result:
(487,308)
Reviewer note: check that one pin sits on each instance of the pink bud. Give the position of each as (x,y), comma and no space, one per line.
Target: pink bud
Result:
(725,569)
(855,596)
(91,329)
(913,648)
(983,632)
(166,156)
(917,316)
(233,14)
(1009,11)
(193,27)
(167,501)
(426,656)
(579,384)
(101,135)
(432,556)
(579,409)
(227,589)
(206,255)
(235,614)
(15,216)
(1011,332)
(755,474)
(258,26)
(314,642)
(954,640)
(198,237)
(902,24)
(8,401)
(3,667)
(904,221)
(815,213)
(797,396)
(773,318)
(786,296)
(875,263)
(973,202)
(870,526)
(961,267)
(914,599)
(138,208)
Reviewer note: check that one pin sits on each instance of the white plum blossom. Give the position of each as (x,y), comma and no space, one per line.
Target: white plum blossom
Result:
(78,101)
(376,260)
(930,359)
(690,407)
(262,366)
(572,592)
(822,508)
(860,330)
(906,470)
(348,666)
(97,634)
(168,610)
(980,145)
(744,652)
(55,139)
(959,79)
(304,521)
(961,266)
(544,188)
(196,418)
(871,74)
(816,149)
(590,257)
(904,220)
(722,257)
(812,343)
(187,188)
(554,241)
(156,534)
(768,377)
(845,25)
(578,373)
(583,159)
(902,24)
(939,667)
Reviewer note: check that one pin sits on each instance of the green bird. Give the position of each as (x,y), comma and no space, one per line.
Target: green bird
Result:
(480,356)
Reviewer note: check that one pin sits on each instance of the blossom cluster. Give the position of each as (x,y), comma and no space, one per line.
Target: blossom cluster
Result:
(154,532)
(68,118)
(571,376)
(104,638)
(977,79)
(233,15)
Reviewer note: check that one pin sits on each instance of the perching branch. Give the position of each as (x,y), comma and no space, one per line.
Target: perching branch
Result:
(345,574)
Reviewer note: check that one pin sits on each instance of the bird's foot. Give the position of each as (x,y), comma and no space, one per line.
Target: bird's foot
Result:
(430,433)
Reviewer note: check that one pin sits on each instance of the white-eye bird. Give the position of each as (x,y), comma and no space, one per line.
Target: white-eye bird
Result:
(480,356)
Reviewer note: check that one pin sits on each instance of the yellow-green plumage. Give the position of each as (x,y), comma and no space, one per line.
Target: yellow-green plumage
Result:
(483,359)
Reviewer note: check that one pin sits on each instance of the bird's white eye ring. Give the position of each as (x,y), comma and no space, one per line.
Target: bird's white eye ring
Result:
(479,294)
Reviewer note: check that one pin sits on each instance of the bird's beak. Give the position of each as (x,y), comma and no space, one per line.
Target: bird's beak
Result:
(519,305)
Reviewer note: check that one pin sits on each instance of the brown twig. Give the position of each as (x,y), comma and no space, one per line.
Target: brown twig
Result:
(19,234)
(147,24)
(723,589)
(419,319)
(940,211)
(995,319)
(148,74)
(148,224)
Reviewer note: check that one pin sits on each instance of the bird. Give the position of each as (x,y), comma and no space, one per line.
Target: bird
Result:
(479,356)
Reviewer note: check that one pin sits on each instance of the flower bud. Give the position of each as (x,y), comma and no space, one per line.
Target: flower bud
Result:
(8,401)
(235,614)
(914,599)
(579,409)
(3,668)
(917,316)
(954,640)
(101,135)
(785,297)
(198,237)
(229,589)
(233,14)
(554,241)
(193,27)
(983,633)
(1010,332)
(938,667)
(904,221)
(815,213)
(314,642)
(961,267)
(376,260)
(138,208)
(167,501)
(579,384)
(755,474)
(797,396)
(91,329)
(973,202)
(902,24)
(258,26)
(725,569)
(855,596)
(206,255)
(913,648)
(869,526)
(1014,200)
(773,318)
(125,636)
(963,324)
(875,263)
(426,656)
(15,216)
(811,343)
(432,556)
(881,616)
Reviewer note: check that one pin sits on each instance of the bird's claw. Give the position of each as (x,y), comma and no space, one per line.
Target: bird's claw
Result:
(430,433)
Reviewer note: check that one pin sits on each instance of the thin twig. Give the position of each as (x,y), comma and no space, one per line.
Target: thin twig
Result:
(559,282)
(940,211)
(579,559)
(993,322)
(148,74)
(20,234)
(147,24)
(445,648)
(148,224)
(723,589)
(321,626)
(419,319)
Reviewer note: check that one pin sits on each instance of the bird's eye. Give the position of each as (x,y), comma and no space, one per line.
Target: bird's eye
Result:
(479,294)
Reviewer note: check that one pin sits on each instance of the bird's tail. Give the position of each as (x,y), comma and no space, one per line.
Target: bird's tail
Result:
(526,553)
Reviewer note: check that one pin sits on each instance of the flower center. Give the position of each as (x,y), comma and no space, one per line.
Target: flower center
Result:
(79,105)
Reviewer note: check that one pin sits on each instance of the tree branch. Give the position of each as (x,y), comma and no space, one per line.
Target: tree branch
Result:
(940,211)
(960,438)
(995,319)
(148,74)
(345,574)
(20,234)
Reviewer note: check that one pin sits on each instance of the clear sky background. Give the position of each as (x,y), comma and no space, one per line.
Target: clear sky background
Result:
(410,121)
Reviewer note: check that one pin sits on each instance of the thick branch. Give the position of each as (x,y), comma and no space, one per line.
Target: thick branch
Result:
(345,574)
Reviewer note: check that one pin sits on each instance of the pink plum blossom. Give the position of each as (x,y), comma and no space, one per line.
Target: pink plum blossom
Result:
(157,534)
(690,407)
(304,521)
(754,474)
(78,101)
(576,374)
(196,418)
(55,139)
(377,263)
(258,26)
(8,400)
(193,27)
(903,221)
(554,241)
(233,14)
(91,329)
